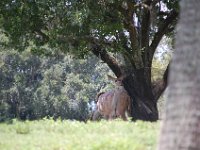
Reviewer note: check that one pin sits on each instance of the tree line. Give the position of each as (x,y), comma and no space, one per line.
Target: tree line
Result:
(34,87)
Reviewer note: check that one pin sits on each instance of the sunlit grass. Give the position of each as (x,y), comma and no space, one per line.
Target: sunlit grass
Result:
(72,135)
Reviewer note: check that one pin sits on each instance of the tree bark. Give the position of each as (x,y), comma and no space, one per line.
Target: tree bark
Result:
(110,61)
(181,125)
(143,105)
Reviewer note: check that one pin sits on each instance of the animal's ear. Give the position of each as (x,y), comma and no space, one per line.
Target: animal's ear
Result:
(111,77)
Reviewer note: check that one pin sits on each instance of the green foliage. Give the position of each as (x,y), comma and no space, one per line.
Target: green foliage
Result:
(56,87)
(162,58)
(22,128)
(69,25)
(33,87)
(50,135)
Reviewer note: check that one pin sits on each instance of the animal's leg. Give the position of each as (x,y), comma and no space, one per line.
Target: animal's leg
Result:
(123,116)
(110,117)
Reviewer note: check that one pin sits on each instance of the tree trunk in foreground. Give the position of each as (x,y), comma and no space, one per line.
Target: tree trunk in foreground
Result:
(181,126)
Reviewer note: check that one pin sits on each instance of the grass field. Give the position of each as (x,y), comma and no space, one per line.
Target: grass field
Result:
(72,135)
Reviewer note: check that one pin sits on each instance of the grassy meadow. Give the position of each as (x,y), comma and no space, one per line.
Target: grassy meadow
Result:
(72,135)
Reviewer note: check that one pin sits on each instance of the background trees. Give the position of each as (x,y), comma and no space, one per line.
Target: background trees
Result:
(61,86)
(132,29)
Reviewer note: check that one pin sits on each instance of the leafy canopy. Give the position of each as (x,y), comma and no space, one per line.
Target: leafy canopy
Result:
(73,25)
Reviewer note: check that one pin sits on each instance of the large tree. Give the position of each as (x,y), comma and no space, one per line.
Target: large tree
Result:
(131,28)
(181,125)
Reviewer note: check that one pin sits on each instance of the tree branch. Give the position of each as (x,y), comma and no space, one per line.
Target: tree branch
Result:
(145,28)
(97,48)
(88,38)
(159,86)
(43,37)
(110,61)
(126,49)
(128,14)
(162,29)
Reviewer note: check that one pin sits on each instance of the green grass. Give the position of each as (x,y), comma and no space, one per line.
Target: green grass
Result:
(72,135)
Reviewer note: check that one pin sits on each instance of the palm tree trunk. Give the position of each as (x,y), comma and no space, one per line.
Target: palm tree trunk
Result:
(181,125)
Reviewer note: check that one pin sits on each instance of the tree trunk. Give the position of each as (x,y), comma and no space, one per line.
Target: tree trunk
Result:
(181,125)
(144,95)
(144,106)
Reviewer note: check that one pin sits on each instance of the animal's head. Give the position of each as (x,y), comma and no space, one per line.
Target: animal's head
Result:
(118,81)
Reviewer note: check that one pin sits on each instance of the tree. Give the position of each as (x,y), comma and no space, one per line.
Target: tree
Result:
(20,77)
(132,29)
(181,125)
(33,87)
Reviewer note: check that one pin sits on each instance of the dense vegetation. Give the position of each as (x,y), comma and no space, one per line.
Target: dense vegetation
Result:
(69,135)
(131,28)
(34,87)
